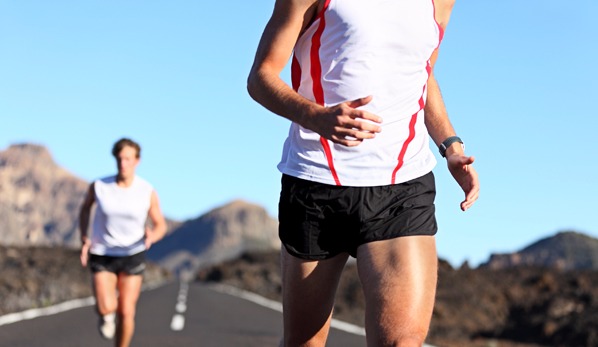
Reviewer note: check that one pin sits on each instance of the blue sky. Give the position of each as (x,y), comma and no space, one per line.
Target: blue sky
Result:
(518,78)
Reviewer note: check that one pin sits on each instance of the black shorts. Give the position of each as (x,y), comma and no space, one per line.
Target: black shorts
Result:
(130,265)
(319,221)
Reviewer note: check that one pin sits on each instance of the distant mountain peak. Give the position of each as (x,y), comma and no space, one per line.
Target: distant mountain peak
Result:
(239,208)
(239,203)
(566,250)
(39,201)
(220,234)
(27,154)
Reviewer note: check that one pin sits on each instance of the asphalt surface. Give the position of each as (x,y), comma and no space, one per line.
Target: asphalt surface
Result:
(211,318)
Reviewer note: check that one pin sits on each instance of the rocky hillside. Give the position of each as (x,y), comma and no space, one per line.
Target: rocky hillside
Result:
(523,306)
(39,201)
(566,251)
(221,234)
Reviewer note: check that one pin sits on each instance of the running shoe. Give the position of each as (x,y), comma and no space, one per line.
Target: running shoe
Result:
(107,326)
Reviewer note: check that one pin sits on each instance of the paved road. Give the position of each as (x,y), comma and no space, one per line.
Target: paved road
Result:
(211,318)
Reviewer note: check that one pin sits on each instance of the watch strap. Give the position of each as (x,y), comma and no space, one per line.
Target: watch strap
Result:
(447,143)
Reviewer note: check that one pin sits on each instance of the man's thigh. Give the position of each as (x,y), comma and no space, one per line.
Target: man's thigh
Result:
(399,282)
(105,285)
(308,289)
(129,287)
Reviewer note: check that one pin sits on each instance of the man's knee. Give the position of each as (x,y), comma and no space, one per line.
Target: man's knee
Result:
(106,306)
(126,311)
(394,334)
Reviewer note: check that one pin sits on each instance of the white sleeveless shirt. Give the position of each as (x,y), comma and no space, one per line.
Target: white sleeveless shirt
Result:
(353,49)
(121,213)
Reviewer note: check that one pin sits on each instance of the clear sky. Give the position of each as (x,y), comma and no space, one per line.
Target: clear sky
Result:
(518,77)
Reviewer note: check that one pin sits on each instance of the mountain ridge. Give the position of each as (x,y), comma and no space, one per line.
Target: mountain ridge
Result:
(566,250)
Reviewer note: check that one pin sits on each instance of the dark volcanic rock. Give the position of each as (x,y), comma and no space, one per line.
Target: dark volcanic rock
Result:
(36,277)
(257,272)
(525,304)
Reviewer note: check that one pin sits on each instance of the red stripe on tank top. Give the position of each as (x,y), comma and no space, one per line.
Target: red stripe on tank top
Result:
(295,73)
(412,122)
(401,158)
(318,90)
(422,105)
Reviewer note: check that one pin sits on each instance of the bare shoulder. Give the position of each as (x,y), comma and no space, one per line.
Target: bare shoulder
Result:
(154,197)
(444,4)
(303,8)
(443,11)
(299,4)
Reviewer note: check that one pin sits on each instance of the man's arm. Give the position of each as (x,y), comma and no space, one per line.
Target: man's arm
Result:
(158,231)
(289,19)
(440,127)
(84,223)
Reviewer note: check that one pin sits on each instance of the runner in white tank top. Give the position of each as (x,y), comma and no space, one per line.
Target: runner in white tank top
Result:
(363,102)
(115,252)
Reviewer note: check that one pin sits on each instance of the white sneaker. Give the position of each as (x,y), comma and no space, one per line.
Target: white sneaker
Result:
(107,326)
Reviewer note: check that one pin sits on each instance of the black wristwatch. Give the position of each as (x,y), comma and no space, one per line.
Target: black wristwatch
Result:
(447,143)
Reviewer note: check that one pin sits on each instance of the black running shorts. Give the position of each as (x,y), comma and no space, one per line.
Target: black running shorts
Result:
(130,265)
(319,221)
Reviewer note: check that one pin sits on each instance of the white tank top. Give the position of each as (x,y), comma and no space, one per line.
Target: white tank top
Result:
(354,49)
(121,213)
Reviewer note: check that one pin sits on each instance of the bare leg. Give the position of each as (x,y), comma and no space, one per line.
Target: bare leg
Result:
(104,286)
(129,287)
(308,289)
(399,281)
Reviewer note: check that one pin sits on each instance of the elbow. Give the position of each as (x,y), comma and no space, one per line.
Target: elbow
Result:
(258,79)
(162,229)
(252,84)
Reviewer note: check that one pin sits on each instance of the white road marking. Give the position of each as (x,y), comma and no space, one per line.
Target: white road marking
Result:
(180,307)
(58,308)
(178,320)
(46,311)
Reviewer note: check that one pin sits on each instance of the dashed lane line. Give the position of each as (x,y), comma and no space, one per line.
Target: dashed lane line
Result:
(178,319)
